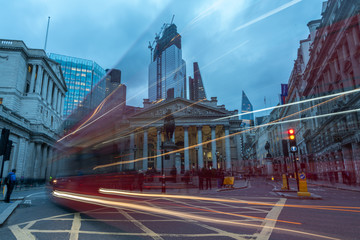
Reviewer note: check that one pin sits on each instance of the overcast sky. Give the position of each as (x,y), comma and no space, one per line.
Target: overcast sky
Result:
(240,45)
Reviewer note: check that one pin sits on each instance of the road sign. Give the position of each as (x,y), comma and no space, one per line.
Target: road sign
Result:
(302,176)
(293,149)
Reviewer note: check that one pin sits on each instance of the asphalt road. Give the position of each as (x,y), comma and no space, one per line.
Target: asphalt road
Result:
(252,213)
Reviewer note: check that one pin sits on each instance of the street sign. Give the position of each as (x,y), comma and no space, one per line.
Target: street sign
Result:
(302,176)
(293,149)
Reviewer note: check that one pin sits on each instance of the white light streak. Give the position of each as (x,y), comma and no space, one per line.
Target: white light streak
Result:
(268,14)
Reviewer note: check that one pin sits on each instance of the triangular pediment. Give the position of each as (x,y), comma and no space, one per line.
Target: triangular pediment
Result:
(181,108)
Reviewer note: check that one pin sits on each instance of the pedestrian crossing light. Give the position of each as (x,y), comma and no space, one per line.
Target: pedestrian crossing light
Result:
(292,137)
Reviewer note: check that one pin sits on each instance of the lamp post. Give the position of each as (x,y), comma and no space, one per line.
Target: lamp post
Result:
(196,158)
(134,149)
(163,187)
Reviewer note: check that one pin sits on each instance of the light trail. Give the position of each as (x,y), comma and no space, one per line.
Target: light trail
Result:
(187,197)
(235,214)
(110,202)
(290,104)
(268,14)
(97,110)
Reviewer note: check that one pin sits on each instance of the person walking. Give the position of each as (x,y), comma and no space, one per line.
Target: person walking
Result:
(208,178)
(10,182)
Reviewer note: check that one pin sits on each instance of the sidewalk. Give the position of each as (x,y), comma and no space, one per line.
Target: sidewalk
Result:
(292,193)
(339,186)
(17,196)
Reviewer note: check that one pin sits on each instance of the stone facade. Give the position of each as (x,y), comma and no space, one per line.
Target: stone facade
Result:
(327,70)
(32,90)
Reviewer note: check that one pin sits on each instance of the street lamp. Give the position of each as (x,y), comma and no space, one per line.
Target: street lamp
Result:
(134,149)
(163,187)
(196,158)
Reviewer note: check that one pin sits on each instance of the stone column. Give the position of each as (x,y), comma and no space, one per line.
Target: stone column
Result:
(173,136)
(186,149)
(145,150)
(39,79)
(23,155)
(62,105)
(158,150)
(131,165)
(227,149)
(44,163)
(32,80)
(45,85)
(29,161)
(213,147)
(49,97)
(200,147)
(356,158)
(58,102)
(38,160)
(54,102)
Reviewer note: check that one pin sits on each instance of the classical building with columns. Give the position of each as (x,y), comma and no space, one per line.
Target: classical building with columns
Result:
(32,91)
(205,135)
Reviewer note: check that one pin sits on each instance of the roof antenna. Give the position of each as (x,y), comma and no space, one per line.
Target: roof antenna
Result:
(47,31)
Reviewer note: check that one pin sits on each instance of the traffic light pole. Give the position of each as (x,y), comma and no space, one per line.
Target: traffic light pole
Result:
(296,171)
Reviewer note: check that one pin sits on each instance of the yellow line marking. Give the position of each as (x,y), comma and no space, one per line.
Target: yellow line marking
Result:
(141,226)
(75,227)
(21,234)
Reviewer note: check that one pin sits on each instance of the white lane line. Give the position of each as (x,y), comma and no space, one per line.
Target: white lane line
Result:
(224,233)
(267,226)
(21,234)
(145,229)
(230,206)
(76,224)
(33,194)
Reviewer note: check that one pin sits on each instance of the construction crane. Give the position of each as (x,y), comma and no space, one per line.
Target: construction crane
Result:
(158,35)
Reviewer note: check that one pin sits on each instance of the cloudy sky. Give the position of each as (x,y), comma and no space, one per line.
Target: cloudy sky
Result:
(240,45)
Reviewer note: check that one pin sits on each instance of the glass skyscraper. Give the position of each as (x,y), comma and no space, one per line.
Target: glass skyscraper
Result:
(196,86)
(167,70)
(248,119)
(81,76)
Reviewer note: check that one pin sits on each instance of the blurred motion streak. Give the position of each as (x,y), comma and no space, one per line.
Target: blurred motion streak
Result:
(268,14)
(290,104)
(188,197)
(112,203)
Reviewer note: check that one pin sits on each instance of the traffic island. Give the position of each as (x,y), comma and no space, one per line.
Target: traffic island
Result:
(295,195)
(8,209)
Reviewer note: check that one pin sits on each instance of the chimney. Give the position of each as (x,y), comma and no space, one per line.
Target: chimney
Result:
(313,25)
(146,103)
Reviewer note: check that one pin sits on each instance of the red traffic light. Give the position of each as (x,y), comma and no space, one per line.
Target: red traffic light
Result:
(291,131)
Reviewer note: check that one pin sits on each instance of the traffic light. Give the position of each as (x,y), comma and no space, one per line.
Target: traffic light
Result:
(4,139)
(8,150)
(292,139)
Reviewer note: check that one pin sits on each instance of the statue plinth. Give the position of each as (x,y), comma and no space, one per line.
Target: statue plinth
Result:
(169,159)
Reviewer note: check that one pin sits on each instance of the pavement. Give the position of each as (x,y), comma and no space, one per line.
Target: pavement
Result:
(17,198)
(292,192)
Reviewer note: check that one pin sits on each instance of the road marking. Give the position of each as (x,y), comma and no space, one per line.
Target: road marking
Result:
(21,234)
(75,227)
(141,226)
(225,233)
(267,226)
(35,194)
